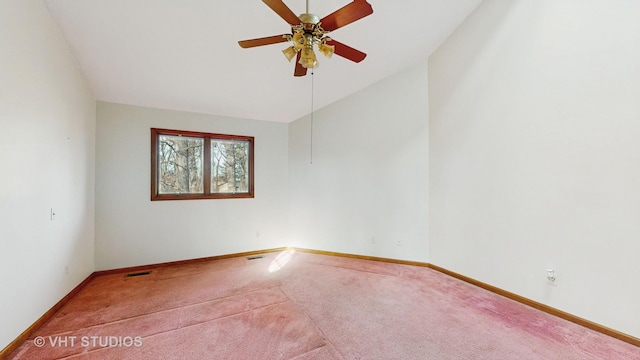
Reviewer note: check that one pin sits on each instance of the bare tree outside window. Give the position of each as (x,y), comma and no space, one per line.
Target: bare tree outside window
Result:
(229,166)
(180,165)
(194,165)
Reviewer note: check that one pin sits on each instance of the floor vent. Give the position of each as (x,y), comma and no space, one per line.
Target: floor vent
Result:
(255,257)
(141,273)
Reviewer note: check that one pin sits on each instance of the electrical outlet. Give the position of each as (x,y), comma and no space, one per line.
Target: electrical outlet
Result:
(66,269)
(373,239)
(52,214)
(552,277)
(399,243)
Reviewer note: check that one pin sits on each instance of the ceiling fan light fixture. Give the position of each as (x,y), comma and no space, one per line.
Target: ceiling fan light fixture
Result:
(309,30)
(298,40)
(308,58)
(290,52)
(326,50)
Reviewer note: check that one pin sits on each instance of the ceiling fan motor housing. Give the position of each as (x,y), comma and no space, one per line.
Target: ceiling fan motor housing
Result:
(309,20)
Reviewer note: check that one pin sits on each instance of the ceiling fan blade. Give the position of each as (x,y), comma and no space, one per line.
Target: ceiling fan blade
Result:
(299,70)
(281,9)
(347,52)
(346,15)
(262,41)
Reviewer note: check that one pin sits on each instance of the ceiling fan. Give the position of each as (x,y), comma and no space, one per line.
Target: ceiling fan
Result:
(308,30)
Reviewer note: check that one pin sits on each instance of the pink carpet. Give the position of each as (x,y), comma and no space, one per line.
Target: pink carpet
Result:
(305,306)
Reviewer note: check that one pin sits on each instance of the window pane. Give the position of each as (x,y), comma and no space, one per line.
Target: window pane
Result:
(180,165)
(229,166)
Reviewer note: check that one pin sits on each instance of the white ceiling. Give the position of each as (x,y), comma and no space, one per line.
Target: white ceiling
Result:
(184,55)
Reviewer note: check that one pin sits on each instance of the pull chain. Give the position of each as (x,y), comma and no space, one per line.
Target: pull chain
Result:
(311,133)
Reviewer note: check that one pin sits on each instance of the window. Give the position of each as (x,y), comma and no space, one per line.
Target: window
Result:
(194,165)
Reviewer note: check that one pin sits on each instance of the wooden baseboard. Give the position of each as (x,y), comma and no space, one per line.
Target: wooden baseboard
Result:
(548,309)
(44,318)
(363,257)
(521,299)
(184,262)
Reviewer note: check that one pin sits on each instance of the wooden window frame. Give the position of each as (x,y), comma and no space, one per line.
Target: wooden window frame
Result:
(155,135)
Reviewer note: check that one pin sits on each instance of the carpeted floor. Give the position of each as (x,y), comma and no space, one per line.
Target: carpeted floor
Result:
(293,305)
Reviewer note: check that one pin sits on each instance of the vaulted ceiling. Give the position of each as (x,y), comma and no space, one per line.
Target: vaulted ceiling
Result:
(184,54)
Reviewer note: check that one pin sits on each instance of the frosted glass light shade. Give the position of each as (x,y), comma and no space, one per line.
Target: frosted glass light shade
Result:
(308,58)
(298,40)
(290,53)
(326,50)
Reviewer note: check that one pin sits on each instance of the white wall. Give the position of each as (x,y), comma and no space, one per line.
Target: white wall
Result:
(47,123)
(534,144)
(132,230)
(368,178)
